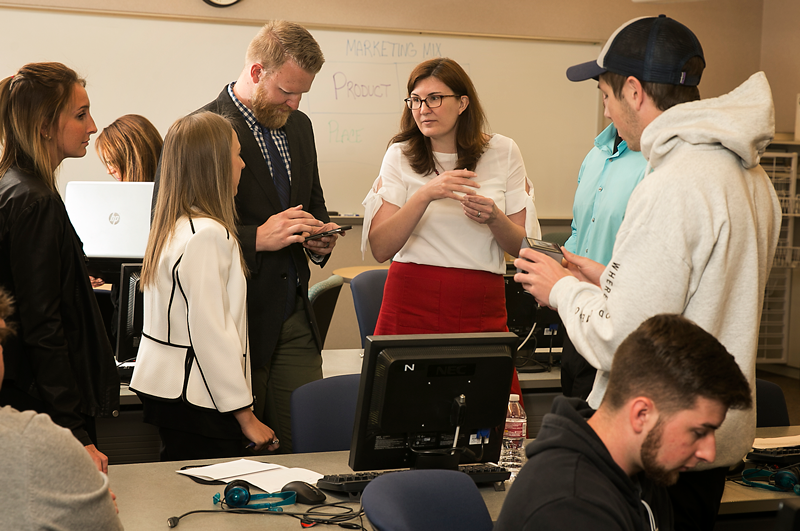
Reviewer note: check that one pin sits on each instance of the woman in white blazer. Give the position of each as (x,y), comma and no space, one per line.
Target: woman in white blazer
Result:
(193,369)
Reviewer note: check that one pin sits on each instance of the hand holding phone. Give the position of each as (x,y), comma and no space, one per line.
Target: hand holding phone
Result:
(329,232)
(550,249)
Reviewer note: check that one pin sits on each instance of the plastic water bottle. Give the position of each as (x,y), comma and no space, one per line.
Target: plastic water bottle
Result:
(512,456)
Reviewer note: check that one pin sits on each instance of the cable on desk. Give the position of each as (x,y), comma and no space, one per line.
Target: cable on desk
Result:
(309,518)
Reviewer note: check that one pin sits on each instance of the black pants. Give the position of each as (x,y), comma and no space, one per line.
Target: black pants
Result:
(696,498)
(179,445)
(189,432)
(577,376)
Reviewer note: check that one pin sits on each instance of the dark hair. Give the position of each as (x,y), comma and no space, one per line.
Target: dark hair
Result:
(32,101)
(673,361)
(470,138)
(664,95)
(132,145)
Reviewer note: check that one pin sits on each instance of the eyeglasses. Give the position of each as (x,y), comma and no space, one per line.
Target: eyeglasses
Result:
(432,101)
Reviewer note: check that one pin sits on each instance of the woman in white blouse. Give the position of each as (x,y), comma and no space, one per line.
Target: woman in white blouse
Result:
(193,369)
(449,200)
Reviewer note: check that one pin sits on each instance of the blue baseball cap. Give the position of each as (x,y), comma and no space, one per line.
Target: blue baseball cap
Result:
(651,49)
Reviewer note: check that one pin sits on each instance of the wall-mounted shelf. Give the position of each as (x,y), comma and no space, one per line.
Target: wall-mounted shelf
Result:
(773,336)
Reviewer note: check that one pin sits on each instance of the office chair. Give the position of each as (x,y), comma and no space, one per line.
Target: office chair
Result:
(323,414)
(419,500)
(367,289)
(788,518)
(771,410)
(323,296)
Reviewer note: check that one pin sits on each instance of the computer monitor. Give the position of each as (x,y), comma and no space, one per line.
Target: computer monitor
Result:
(421,396)
(131,312)
(523,312)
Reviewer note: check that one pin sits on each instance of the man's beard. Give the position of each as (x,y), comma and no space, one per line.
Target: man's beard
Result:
(649,453)
(270,115)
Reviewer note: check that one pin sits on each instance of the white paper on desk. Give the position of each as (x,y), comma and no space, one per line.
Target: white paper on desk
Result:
(230,470)
(777,442)
(274,480)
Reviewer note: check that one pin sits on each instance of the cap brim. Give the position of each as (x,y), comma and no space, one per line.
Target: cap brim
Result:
(584,71)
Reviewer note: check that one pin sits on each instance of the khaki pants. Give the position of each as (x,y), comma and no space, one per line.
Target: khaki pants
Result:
(295,362)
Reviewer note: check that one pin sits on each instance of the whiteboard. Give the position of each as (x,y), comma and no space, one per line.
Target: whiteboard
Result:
(164,69)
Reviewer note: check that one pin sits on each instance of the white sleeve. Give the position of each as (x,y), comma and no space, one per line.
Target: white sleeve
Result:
(517,198)
(388,186)
(203,276)
(645,277)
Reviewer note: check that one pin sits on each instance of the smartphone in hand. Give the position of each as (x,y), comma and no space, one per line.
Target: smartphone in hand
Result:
(329,232)
(550,249)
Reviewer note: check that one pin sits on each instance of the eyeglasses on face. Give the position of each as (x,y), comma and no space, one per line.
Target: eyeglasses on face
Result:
(432,101)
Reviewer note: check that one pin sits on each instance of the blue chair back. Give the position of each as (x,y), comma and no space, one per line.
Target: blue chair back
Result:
(367,289)
(323,414)
(420,500)
(323,297)
(771,410)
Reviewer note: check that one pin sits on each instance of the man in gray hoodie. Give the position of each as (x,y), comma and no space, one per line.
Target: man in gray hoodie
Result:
(699,233)
(671,385)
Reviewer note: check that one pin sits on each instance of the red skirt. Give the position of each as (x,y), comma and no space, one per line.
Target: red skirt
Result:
(423,299)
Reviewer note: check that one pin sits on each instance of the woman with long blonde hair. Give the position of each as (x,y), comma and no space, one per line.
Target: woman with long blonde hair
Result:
(193,368)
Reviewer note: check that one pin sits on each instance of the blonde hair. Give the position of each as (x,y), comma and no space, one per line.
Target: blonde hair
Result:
(279,41)
(31,102)
(131,145)
(196,181)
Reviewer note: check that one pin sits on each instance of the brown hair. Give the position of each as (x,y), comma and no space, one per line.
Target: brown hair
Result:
(470,138)
(31,101)
(664,95)
(131,145)
(196,181)
(673,361)
(279,41)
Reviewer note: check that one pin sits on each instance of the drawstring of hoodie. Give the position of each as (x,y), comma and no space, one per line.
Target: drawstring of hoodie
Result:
(653,526)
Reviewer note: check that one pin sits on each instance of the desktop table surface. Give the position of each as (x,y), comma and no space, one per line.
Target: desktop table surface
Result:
(739,498)
(150,493)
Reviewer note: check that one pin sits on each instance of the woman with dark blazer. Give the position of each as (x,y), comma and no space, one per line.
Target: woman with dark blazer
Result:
(60,361)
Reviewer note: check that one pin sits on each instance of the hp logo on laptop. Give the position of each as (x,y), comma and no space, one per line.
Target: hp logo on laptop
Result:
(113,218)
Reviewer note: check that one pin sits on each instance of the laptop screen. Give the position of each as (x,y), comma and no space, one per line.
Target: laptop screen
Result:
(112,219)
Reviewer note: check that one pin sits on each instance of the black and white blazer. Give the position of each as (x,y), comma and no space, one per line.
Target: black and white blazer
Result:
(194,347)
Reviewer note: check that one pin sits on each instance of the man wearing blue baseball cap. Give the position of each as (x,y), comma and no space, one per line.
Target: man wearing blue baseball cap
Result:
(699,233)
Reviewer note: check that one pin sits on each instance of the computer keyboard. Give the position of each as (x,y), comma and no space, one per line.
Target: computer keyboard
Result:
(789,455)
(357,481)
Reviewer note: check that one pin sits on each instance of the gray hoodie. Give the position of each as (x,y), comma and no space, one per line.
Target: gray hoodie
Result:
(698,239)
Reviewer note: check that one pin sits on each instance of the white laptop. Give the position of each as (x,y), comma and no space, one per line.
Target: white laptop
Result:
(112,219)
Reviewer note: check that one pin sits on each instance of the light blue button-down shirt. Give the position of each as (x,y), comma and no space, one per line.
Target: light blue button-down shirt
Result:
(605,183)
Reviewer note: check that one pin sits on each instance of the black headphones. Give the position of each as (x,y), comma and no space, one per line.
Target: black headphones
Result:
(781,480)
(237,496)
